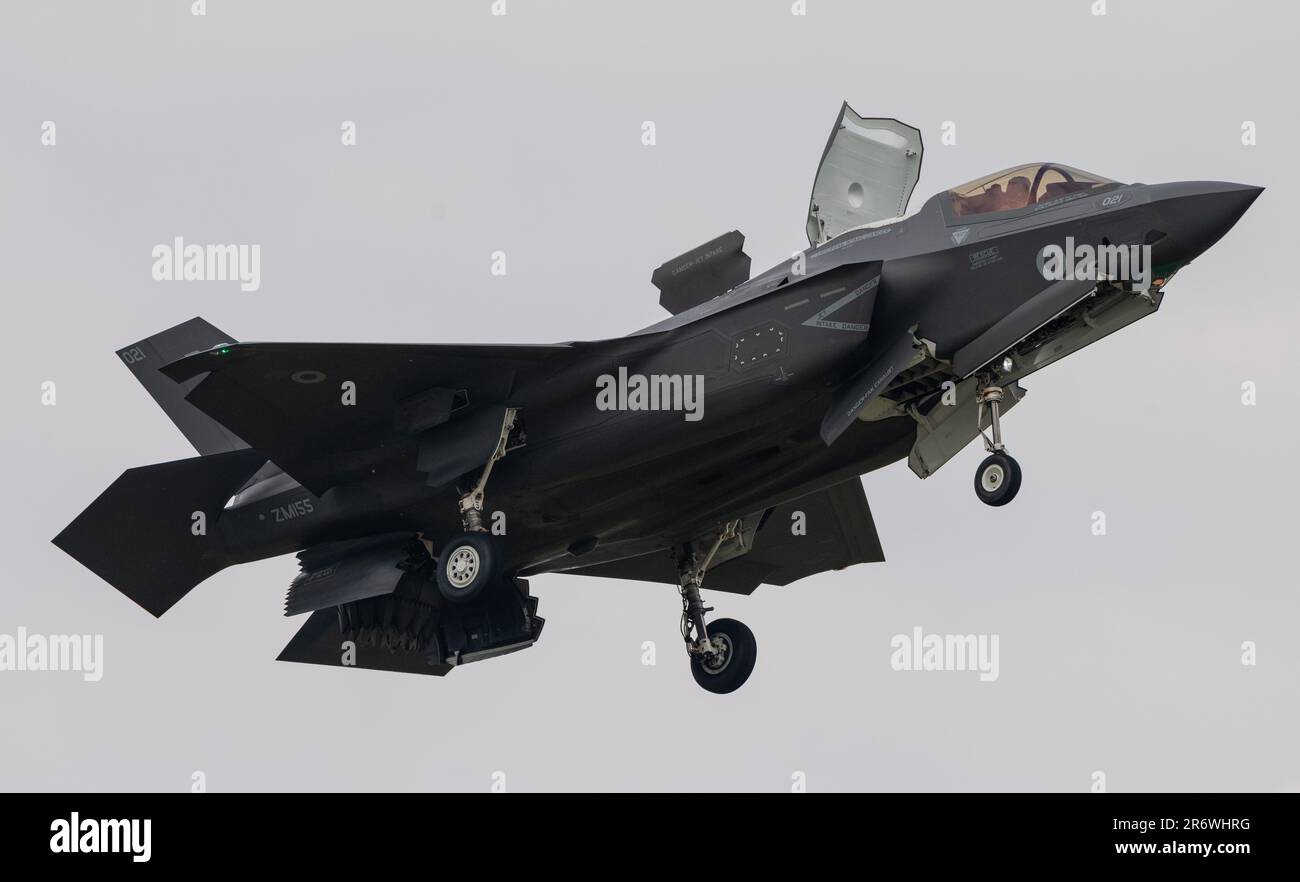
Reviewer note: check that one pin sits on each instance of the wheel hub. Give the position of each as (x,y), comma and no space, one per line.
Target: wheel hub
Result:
(992,478)
(717,658)
(462,566)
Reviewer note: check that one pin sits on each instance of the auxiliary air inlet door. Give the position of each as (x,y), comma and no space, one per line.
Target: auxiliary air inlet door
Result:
(867,174)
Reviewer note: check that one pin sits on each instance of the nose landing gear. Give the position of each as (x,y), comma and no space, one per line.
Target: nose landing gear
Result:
(997,480)
(723,652)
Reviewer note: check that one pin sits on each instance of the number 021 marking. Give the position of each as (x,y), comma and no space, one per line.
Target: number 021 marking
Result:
(134,354)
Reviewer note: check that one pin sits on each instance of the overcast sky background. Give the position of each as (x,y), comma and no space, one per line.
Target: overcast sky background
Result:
(1119,654)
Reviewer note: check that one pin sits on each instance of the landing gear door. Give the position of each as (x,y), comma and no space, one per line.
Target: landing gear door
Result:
(867,174)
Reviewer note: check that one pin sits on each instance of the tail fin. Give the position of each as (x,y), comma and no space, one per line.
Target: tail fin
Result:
(146,357)
(139,534)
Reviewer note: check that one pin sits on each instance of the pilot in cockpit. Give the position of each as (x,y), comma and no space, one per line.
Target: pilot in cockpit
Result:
(1017,194)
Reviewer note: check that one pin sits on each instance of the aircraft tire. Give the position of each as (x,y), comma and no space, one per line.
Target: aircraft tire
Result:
(468,564)
(738,664)
(997,480)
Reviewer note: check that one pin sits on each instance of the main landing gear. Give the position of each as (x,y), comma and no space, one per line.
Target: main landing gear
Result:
(997,481)
(722,652)
(472,561)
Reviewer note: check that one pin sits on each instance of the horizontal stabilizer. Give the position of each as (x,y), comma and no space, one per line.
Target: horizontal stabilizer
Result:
(702,273)
(142,534)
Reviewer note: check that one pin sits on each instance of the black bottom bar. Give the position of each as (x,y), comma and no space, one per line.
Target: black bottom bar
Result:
(332,831)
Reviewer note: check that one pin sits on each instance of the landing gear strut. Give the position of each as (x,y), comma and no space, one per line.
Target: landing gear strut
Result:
(472,561)
(997,481)
(722,653)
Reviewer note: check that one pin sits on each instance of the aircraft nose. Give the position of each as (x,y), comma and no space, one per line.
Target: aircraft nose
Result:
(1197,214)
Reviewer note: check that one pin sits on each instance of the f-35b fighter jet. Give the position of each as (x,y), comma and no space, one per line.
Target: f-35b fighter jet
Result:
(422,485)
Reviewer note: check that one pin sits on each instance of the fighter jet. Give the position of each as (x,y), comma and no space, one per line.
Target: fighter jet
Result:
(423,485)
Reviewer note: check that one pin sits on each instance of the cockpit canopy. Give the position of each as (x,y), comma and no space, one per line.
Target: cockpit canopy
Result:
(1041,183)
(866,175)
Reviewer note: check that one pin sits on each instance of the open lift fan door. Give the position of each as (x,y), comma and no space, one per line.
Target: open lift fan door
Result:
(867,174)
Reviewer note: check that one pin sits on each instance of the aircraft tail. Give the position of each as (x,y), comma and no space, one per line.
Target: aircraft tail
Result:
(146,357)
(142,534)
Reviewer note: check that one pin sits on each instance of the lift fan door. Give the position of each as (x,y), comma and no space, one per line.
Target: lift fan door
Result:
(867,174)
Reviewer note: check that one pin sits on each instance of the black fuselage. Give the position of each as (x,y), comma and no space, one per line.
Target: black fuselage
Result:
(618,483)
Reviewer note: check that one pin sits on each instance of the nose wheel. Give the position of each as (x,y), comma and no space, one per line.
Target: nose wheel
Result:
(997,480)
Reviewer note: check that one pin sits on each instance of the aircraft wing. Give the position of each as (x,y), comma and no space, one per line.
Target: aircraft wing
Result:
(839,532)
(307,405)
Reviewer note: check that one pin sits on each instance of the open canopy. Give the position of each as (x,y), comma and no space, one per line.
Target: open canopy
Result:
(866,174)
